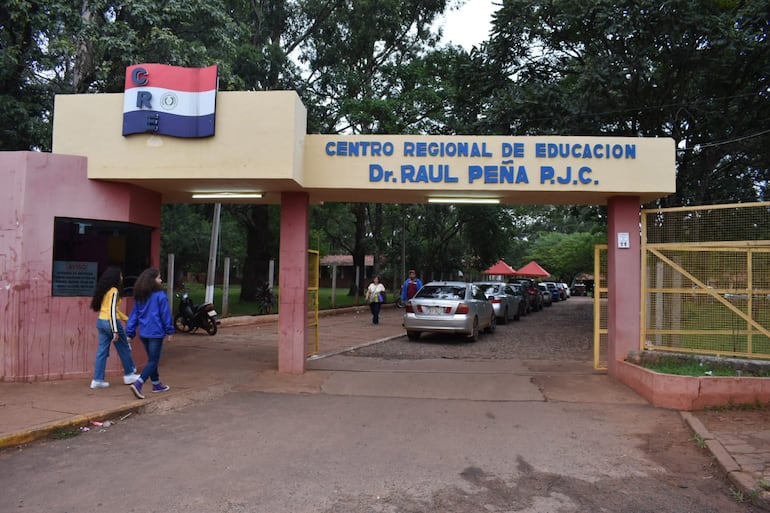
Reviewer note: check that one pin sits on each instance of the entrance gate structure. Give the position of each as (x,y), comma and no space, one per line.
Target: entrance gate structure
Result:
(706,280)
(261,149)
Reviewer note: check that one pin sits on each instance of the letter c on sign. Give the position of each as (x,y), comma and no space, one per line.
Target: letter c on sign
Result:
(139,76)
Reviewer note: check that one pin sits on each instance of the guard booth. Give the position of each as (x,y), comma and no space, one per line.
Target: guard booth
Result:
(260,152)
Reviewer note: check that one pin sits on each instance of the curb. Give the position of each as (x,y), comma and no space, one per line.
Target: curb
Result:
(243,320)
(45,430)
(31,435)
(743,481)
(353,348)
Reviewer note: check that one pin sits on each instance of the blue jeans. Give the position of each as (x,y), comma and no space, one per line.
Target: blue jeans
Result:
(104,330)
(153,346)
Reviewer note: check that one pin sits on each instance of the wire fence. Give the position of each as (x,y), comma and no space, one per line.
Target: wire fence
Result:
(706,280)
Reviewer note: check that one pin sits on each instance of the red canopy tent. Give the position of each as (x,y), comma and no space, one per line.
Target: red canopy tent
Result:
(501,269)
(534,270)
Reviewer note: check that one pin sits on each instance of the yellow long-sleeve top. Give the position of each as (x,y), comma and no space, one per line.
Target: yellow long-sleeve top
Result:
(111,309)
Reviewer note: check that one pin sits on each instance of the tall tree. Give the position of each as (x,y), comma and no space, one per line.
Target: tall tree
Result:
(695,71)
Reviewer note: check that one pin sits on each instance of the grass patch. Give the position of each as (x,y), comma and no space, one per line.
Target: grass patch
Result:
(755,406)
(63,433)
(683,365)
(699,441)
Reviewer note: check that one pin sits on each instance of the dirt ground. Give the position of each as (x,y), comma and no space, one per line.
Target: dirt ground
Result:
(564,332)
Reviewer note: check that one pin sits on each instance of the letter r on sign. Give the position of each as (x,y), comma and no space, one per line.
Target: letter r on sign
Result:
(143,100)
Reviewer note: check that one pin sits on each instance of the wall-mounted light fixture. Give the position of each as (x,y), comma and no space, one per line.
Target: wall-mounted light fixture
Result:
(465,199)
(227,195)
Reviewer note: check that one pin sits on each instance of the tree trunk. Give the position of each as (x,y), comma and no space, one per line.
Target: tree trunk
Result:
(255,267)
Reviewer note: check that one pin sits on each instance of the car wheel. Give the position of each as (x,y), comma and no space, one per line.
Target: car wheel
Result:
(413,335)
(474,336)
(504,318)
(517,316)
(492,324)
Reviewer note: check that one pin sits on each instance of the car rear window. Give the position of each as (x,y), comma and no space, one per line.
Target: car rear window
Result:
(441,292)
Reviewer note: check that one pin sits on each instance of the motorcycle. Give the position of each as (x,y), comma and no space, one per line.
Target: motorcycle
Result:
(190,317)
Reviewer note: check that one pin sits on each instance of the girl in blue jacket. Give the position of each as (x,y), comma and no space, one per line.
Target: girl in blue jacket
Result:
(151,315)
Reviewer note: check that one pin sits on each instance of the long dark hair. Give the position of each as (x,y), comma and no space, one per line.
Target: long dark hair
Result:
(111,277)
(145,284)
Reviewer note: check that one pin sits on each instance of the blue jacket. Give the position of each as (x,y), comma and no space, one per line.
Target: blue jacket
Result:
(404,287)
(152,317)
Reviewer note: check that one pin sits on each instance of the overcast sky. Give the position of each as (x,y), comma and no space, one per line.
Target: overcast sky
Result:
(470,24)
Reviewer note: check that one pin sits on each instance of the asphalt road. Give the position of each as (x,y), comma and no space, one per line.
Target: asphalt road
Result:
(389,432)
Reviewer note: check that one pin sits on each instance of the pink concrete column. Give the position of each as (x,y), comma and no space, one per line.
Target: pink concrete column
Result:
(624,279)
(292,282)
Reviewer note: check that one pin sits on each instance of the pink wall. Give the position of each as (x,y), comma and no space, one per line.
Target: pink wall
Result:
(292,276)
(44,337)
(624,273)
(692,392)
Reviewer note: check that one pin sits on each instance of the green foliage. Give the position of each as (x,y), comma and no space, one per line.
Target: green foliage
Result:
(186,232)
(565,255)
(695,71)
(694,367)
(699,441)
(63,433)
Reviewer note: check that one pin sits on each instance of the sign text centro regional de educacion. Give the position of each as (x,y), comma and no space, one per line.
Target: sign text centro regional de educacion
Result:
(568,163)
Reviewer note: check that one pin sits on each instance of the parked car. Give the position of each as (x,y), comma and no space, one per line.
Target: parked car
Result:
(553,289)
(506,300)
(535,302)
(565,289)
(546,293)
(521,291)
(449,307)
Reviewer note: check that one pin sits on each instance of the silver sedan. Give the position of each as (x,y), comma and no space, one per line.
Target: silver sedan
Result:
(506,301)
(449,307)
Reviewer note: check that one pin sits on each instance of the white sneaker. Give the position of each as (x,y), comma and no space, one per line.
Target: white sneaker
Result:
(130,378)
(99,384)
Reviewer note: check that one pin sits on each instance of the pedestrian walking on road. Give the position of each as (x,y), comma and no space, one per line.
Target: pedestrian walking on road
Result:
(411,286)
(151,315)
(106,301)
(375,296)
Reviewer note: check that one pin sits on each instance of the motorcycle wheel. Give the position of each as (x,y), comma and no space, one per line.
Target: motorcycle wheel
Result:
(180,325)
(210,325)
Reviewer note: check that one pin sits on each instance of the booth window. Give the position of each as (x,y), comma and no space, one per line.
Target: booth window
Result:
(84,248)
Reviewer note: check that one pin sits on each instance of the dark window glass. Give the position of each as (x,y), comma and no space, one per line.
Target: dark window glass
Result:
(84,248)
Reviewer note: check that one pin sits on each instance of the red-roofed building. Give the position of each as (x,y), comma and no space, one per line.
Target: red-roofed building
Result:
(346,273)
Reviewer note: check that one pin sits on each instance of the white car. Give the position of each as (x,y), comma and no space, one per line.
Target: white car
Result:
(449,307)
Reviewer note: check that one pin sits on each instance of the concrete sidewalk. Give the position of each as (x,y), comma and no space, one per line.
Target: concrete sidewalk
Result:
(244,349)
(243,357)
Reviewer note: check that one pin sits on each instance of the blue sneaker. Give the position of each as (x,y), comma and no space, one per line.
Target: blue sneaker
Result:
(160,387)
(136,388)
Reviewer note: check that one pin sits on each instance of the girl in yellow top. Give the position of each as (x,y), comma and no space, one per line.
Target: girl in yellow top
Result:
(106,301)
